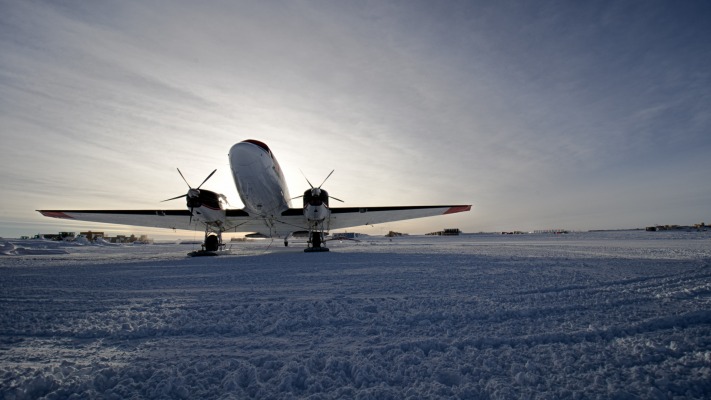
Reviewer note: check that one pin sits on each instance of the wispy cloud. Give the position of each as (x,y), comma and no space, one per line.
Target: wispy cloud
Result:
(536,113)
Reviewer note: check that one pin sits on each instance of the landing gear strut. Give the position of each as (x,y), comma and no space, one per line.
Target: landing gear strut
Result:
(315,241)
(212,246)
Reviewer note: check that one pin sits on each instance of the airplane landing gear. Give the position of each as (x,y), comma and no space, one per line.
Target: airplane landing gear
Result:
(315,242)
(212,246)
(212,243)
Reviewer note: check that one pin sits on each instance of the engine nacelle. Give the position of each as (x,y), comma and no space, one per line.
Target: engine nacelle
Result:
(204,198)
(316,204)
(206,205)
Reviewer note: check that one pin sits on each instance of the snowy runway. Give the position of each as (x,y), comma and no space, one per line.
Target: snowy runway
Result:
(609,315)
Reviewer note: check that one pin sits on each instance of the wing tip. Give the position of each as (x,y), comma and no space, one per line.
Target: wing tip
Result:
(458,209)
(55,214)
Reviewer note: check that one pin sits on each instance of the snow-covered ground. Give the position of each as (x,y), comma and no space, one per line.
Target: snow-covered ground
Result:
(590,315)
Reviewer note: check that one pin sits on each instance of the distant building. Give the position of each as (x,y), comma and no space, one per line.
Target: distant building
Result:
(556,231)
(92,235)
(701,227)
(394,234)
(58,236)
(347,235)
(446,232)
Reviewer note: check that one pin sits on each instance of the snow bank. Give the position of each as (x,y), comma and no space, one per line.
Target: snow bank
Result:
(491,317)
(10,249)
(6,247)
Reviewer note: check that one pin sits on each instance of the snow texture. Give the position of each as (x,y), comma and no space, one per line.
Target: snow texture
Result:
(619,315)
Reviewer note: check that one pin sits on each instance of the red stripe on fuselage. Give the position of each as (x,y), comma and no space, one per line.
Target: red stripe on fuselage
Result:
(258,143)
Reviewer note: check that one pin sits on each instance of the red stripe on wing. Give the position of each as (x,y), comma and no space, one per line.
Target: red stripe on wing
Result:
(456,209)
(55,214)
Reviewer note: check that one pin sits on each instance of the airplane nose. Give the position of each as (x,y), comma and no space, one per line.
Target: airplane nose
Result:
(245,154)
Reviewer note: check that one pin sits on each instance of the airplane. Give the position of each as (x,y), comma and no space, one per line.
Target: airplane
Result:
(267,208)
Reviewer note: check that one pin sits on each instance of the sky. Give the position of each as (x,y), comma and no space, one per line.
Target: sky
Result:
(542,115)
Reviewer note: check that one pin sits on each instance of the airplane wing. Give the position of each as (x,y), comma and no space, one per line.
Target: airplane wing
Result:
(170,219)
(236,220)
(345,217)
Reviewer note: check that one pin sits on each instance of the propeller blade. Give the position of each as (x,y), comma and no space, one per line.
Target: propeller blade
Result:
(316,191)
(324,181)
(307,179)
(177,197)
(192,193)
(208,177)
(184,180)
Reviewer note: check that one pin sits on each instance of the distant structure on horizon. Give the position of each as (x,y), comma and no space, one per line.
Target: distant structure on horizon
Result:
(56,236)
(701,227)
(446,232)
(553,231)
(538,232)
(93,236)
(347,235)
(395,234)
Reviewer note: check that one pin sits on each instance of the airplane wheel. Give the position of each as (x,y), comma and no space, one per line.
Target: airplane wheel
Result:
(316,239)
(212,243)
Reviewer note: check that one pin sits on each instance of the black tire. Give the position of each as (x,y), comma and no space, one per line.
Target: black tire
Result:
(212,243)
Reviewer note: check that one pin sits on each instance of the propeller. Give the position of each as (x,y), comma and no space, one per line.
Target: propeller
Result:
(193,193)
(316,191)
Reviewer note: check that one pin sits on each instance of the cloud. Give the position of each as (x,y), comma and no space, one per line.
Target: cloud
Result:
(534,113)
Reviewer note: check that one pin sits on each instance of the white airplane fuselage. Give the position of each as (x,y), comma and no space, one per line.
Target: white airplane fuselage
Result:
(259,179)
